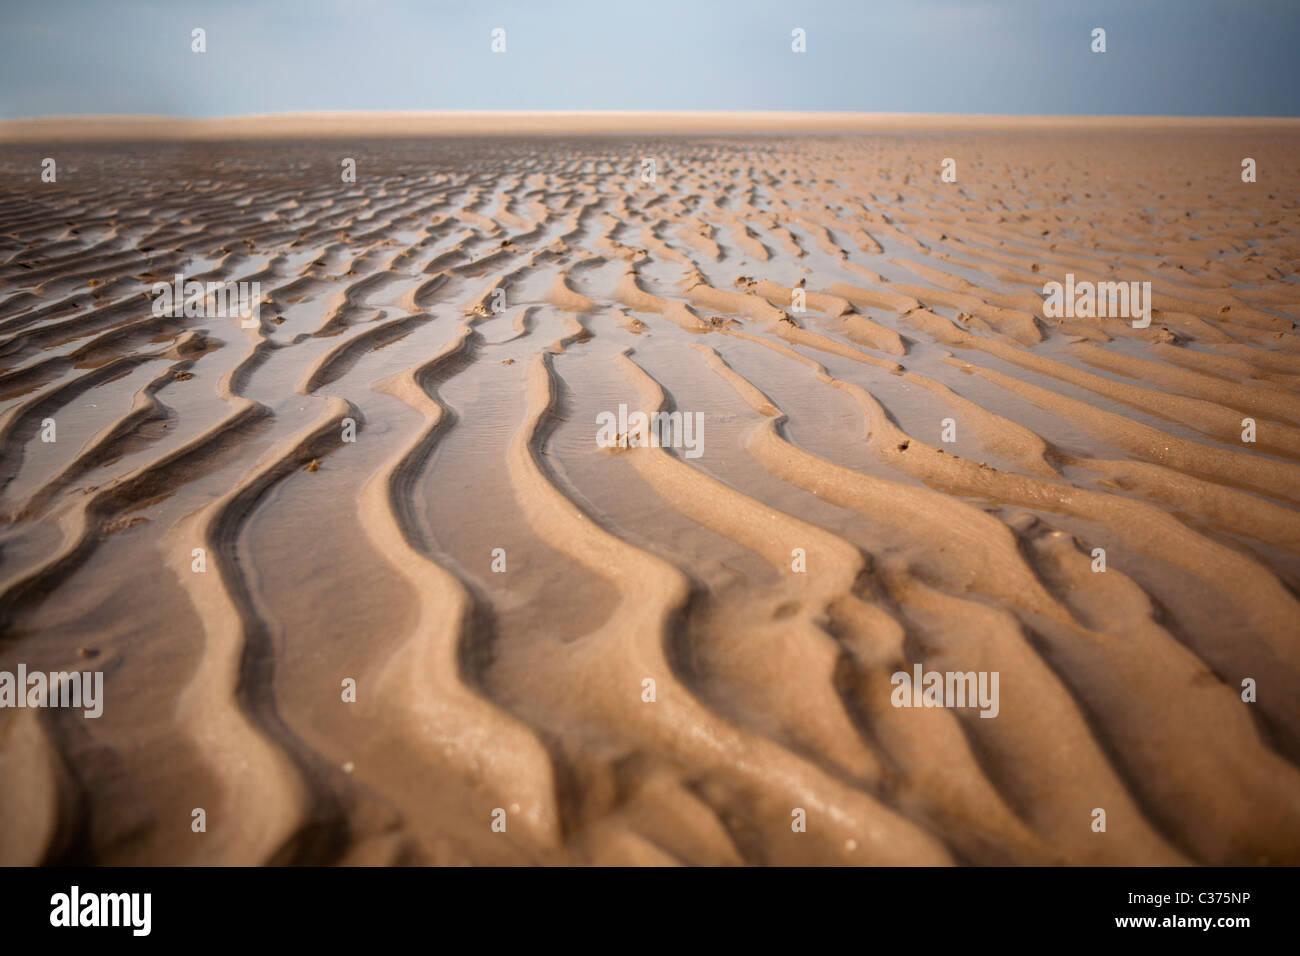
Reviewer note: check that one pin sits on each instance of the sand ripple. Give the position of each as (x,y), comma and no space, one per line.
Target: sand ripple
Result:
(881,392)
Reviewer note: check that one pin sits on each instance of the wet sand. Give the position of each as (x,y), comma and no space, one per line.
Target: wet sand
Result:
(473,304)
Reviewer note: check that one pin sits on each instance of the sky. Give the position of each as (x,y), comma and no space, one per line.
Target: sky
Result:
(1163,57)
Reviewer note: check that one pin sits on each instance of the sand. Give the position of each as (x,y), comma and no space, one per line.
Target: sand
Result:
(914,469)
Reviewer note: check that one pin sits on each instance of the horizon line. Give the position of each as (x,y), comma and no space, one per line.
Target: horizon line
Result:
(396,123)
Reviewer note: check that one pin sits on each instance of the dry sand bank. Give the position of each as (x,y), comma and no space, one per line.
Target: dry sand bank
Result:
(475,430)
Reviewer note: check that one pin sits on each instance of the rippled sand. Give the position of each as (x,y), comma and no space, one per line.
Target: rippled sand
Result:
(473,305)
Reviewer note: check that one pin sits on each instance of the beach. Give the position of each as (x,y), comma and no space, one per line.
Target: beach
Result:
(380,566)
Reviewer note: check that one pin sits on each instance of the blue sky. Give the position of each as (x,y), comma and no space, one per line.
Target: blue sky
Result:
(1178,57)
